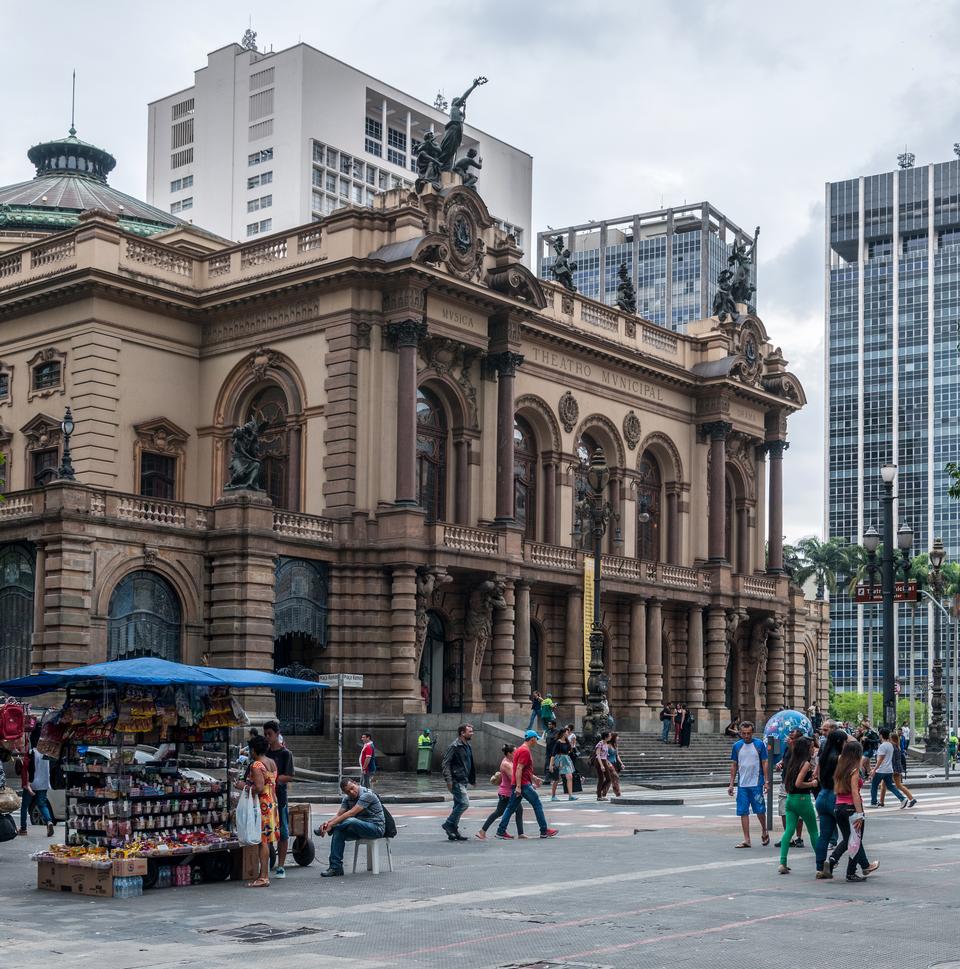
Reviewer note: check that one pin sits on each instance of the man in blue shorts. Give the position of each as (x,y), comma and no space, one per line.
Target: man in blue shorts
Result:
(748,759)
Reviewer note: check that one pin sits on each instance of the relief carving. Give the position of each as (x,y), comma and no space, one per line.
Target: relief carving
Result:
(428,581)
(478,624)
(569,411)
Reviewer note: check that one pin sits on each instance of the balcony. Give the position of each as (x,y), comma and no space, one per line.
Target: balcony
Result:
(309,527)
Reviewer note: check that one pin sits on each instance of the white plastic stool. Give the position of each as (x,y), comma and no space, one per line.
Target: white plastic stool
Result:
(373,853)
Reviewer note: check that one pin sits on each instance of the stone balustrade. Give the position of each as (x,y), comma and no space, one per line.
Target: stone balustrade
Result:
(551,556)
(759,586)
(681,577)
(21,505)
(620,567)
(311,527)
(480,541)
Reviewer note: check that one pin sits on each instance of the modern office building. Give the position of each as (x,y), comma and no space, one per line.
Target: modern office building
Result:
(262,142)
(892,308)
(688,246)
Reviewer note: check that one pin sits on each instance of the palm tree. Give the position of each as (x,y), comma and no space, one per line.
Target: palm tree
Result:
(791,560)
(858,567)
(822,561)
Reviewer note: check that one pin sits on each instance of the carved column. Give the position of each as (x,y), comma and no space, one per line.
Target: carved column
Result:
(717,431)
(775,538)
(776,669)
(637,668)
(716,658)
(506,364)
(461,488)
(695,656)
(550,503)
(743,538)
(294,444)
(654,653)
(503,649)
(521,640)
(408,335)
(673,524)
(573,685)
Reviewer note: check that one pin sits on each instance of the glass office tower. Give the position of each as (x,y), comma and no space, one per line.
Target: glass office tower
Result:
(687,246)
(892,308)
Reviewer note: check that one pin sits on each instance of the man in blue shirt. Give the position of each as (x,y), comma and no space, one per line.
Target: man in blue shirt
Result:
(748,764)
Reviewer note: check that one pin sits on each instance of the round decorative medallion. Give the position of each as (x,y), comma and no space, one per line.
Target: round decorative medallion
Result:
(463,243)
(750,349)
(631,430)
(462,235)
(569,411)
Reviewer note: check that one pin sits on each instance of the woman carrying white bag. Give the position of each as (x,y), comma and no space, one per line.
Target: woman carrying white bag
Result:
(9,803)
(257,817)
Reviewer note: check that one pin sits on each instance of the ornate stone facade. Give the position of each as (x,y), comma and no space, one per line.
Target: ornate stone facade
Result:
(425,404)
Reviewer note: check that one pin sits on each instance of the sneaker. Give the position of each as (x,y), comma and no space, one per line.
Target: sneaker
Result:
(549,833)
(874,805)
(777,844)
(826,871)
(24,831)
(572,798)
(459,837)
(871,868)
(505,836)
(450,832)
(332,873)
(855,878)
(521,837)
(279,873)
(784,870)
(904,803)
(912,803)
(554,798)
(796,843)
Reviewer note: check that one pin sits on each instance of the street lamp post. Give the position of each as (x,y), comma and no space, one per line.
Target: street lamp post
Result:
(593,512)
(65,471)
(871,542)
(888,474)
(935,728)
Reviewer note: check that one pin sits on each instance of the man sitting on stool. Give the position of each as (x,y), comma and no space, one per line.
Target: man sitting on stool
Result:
(360,816)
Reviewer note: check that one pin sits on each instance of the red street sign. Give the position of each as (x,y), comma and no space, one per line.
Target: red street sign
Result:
(903,592)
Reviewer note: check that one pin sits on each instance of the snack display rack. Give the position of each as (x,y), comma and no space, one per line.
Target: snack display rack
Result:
(133,825)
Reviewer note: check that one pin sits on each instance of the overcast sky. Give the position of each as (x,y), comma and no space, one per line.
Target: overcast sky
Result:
(624,104)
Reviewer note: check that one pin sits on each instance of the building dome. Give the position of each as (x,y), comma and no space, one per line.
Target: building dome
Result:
(72,179)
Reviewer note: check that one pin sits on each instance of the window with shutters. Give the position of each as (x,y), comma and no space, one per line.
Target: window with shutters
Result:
(181,133)
(261,104)
(261,79)
(181,109)
(263,129)
(180,158)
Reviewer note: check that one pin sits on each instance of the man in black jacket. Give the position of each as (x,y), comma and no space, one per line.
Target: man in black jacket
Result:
(458,772)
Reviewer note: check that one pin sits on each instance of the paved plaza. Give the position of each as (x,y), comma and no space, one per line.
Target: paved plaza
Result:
(622,886)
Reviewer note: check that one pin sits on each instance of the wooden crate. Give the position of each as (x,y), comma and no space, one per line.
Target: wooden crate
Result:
(299,820)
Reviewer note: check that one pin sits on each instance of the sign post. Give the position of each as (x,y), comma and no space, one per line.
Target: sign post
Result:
(344,681)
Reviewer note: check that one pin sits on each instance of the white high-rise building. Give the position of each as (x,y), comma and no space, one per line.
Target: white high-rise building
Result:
(265,141)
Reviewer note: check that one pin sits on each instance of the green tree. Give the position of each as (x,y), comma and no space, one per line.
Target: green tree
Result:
(851,707)
(822,561)
(791,560)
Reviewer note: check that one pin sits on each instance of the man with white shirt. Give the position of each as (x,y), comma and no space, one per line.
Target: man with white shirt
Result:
(750,771)
(884,771)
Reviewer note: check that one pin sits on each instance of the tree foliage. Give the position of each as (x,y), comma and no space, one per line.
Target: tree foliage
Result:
(821,561)
(851,707)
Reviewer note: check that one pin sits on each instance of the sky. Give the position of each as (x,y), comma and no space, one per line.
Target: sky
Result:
(625,105)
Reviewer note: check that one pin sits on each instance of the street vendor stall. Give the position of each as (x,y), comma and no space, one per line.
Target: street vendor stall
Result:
(133,824)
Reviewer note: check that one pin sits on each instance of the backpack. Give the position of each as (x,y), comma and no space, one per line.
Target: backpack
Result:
(389,825)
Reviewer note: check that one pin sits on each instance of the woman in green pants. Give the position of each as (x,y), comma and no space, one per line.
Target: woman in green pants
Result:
(799,782)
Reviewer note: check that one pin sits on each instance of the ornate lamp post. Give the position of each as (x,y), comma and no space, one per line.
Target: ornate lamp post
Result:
(593,512)
(65,471)
(936,731)
(871,542)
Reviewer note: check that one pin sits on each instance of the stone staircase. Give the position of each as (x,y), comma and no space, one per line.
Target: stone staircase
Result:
(647,759)
(319,753)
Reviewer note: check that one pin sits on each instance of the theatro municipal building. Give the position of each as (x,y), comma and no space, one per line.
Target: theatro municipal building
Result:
(419,410)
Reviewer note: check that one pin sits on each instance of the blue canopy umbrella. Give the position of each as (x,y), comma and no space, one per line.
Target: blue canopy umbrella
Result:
(150,671)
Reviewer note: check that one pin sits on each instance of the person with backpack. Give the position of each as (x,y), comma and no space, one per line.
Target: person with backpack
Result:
(666,722)
(361,816)
(548,713)
(535,702)
(750,771)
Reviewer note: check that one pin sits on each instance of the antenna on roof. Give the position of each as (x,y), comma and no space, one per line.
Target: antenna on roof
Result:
(73,104)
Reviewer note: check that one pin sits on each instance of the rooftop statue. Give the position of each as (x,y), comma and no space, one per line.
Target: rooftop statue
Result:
(562,269)
(453,133)
(724,305)
(740,260)
(626,294)
(247,459)
(463,166)
(428,163)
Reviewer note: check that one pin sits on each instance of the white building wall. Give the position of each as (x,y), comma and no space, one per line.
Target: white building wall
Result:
(316,97)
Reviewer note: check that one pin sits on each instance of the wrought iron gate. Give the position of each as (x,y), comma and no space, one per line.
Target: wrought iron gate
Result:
(300,713)
(453,676)
(16,610)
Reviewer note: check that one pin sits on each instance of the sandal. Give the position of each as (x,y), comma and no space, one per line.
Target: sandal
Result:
(765,840)
(743,844)
(259,883)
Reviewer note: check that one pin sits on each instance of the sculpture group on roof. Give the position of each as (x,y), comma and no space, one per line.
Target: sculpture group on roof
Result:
(562,269)
(733,283)
(434,157)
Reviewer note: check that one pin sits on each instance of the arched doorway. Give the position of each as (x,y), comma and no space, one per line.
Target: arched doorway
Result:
(269,408)
(441,667)
(16,610)
(525,478)
(649,487)
(300,634)
(144,618)
(431,456)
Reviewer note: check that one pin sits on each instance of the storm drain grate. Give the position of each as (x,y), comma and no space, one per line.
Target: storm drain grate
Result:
(553,965)
(258,932)
(539,918)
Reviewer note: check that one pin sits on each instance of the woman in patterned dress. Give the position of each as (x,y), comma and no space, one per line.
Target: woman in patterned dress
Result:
(263,779)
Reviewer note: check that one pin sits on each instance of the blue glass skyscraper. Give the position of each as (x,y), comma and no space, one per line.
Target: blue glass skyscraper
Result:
(674,257)
(892,308)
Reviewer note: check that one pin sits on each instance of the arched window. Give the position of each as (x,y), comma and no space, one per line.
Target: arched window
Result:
(16,610)
(144,618)
(525,477)
(649,485)
(431,456)
(269,408)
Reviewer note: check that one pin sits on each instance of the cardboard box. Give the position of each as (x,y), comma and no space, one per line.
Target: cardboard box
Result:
(87,881)
(125,867)
(48,875)
(299,820)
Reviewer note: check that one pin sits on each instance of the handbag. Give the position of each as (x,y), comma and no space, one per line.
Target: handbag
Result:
(249,831)
(496,778)
(9,801)
(8,828)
